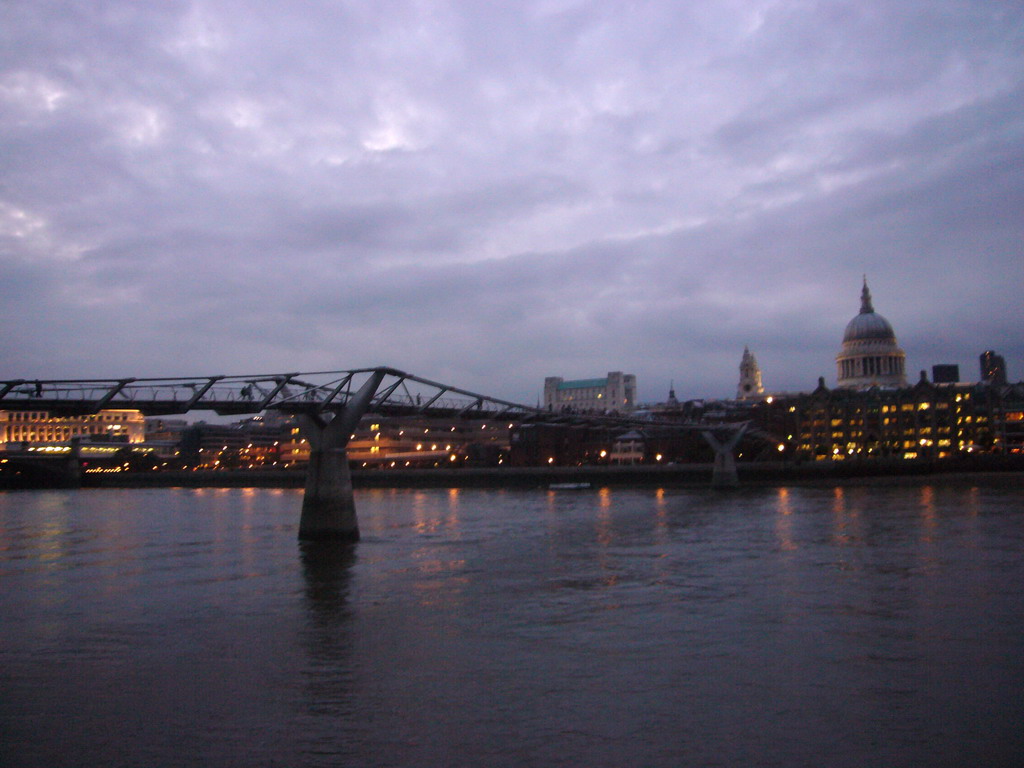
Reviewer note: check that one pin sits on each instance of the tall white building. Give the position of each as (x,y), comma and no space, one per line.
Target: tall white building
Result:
(616,392)
(870,356)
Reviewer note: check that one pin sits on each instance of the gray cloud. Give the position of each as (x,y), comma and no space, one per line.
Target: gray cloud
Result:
(492,193)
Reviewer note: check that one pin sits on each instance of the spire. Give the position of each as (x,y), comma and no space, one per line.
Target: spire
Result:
(865,298)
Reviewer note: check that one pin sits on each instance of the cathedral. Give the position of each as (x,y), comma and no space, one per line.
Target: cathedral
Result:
(870,356)
(872,413)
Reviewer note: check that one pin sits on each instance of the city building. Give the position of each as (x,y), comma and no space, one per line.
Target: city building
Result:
(945,373)
(870,356)
(39,427)
(993,367)
(927,420)
(164,435)
(422,442)
(628,448)
(559,445)
(163,428)
(594,444)
(248,444)
(616,393)
(872,413)
(412,442)
(750,386)
(294,450)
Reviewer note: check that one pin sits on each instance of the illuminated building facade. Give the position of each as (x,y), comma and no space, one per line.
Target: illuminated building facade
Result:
(926,421)
(418,442)
(35,427)
(249,444)
(413,443)
(874,414)
(616,393)
(294,449)
(870,356)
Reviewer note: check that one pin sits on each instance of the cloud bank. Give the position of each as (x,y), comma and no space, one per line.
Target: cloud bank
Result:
(487,194)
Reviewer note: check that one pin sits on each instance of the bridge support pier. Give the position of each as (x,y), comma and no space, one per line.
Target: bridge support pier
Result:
(328,506)
(724,474)
(74,465)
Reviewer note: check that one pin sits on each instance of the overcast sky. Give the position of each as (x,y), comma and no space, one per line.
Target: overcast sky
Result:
(488,193)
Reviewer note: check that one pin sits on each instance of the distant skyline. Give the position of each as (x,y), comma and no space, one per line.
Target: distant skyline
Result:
(486,194)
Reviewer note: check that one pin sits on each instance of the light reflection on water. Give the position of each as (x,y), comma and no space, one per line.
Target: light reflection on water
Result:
(772,626)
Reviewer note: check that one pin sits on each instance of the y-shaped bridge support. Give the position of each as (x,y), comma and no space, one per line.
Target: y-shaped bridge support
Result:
(724,473)
(328,508)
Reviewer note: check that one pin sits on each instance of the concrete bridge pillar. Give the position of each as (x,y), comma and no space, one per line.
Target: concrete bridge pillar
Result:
(328,507)
(723,474)
(74,463)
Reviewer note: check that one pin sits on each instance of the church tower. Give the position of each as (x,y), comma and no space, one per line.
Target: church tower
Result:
(750,386)
(673,401)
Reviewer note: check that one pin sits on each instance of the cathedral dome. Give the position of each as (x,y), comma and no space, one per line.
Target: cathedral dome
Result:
(870,356)
(869,326)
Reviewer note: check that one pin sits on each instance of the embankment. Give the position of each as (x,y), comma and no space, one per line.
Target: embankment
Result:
(681,475)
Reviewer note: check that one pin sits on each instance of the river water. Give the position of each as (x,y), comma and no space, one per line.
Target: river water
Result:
(800,626)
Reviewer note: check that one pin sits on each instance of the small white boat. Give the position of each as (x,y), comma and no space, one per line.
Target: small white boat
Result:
(568,486)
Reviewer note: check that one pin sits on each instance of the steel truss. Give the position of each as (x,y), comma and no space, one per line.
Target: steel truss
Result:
(316,392)
(313,393)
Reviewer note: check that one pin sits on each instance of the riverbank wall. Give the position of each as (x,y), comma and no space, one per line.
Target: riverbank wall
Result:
(1011,468)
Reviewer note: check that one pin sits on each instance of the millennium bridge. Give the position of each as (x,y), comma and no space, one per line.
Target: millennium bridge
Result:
(328,406)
